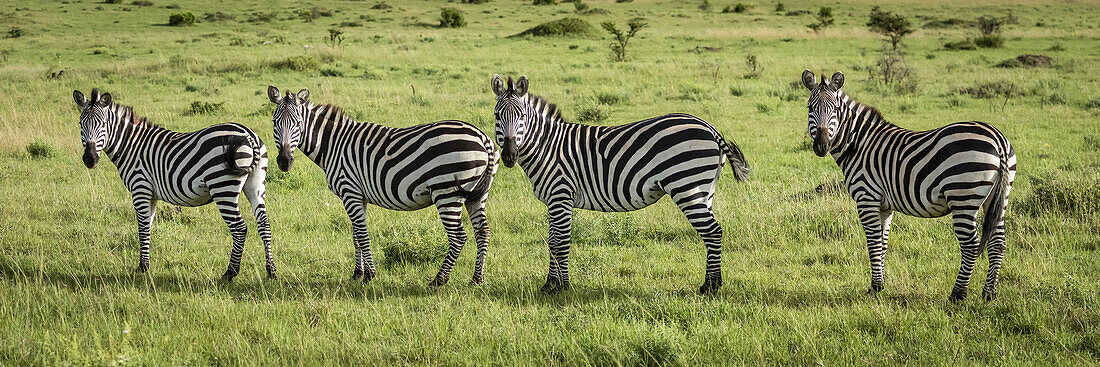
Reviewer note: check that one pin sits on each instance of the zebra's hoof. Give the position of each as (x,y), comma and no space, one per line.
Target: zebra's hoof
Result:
(367,277)
(476,281)
(356,275)
(989,295)
(709,288)
(554,286)
(228,276)
(438,282)
(957,296)
(875,288)
(271,276)
(142,267)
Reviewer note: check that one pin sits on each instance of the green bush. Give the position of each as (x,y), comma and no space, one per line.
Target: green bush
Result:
(738,8)
(142,3)
(181,19)
(411,246)
(112,1)
(203,108)
(474,1)
(15,33)
(1061,194)
(564,27)
(1002,88)
(40,149)
(824,19)
(451,18)
(593,115)
(299,63)
(990,41)
(542,2)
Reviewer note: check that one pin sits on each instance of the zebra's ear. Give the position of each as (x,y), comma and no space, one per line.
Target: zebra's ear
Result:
(808,79)
(79,98)
(521,85)
(105,99)
(303,95)
(838,80)
(498,84)
(273,94)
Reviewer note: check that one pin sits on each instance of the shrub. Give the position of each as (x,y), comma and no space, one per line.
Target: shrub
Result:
(947,23)
(888,24)
(351,23)
(562,27)
(451,18)
(1092,104)
(966,44)
(579,6)
(623,1)
(893,71)
(474,1)
(990,28)
(621,39)
(987,90)
(112,1)
(15,33)
(411,247)
(142,3)
(299,63)
(779,8)
(381,6)
(752,64)
(990,41)
(738,8)
(203,108)
(705,6)
(608,98)
(824,19)
(181,19)
(40,149)
(542,2)
(593,115)
(620,229)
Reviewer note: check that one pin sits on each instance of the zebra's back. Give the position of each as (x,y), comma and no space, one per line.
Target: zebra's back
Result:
(407,168)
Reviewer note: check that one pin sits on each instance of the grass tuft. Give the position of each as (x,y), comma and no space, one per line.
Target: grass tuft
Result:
(565,27)
(39,148)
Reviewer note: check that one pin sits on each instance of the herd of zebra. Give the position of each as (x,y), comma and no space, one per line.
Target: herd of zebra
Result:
(957,169)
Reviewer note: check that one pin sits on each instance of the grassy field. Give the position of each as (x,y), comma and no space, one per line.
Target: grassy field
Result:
(795,263)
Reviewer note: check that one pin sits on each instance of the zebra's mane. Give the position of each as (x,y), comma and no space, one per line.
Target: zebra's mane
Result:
(335,113)
(127,111)
(871,112)
(552,110)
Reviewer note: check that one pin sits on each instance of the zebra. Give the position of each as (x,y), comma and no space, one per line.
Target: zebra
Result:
(956,169)
(213,164)
(613,169)
(449,164)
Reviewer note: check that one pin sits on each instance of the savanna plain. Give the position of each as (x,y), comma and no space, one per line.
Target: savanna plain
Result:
(795,264)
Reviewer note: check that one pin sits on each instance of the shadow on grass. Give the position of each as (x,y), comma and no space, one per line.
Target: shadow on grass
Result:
(516,291)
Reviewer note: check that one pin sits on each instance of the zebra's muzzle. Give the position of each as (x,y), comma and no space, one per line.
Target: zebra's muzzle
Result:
(509,152)
(91,156)
(821,144)
(285,160)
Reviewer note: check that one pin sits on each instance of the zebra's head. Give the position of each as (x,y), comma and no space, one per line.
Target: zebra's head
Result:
(288,123)
(512,114)
(93,124)
(823,104)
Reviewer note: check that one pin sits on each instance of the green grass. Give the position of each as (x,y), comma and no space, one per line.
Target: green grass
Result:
(795,263)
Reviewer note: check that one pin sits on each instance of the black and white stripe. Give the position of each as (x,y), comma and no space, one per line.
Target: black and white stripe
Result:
(956,169)
(613,169)
(449,164)
(187,169)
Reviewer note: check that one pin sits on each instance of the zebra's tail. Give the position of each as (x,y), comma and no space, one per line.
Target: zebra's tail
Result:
(241,153)
(482,184)
(995,206)
(737,159)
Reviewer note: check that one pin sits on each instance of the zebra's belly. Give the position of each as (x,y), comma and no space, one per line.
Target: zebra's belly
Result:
(197,195)
(924,208)
(619,201)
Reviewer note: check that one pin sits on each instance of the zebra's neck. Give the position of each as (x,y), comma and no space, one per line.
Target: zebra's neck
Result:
(859,125)
(124,129)
(545,127)
(321,123)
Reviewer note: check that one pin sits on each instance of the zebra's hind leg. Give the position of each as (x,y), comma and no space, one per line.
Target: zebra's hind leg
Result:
(996,253)
(231,213)
(966,231)
(357,268)
(476,209)
(696,207)
(255,191)
(450,213)
(146,208)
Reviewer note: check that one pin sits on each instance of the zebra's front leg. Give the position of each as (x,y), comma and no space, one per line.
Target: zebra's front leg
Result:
(561,218)
(966,230)
(145,207)
(450,213)
(364,264)
(480,222)
(870,216)
(231,213)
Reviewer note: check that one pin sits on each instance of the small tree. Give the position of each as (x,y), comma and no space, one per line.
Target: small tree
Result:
(618,48)
(451,18)
(335,37)
(824,19)
(893,26)
(580,6)
(990,28)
